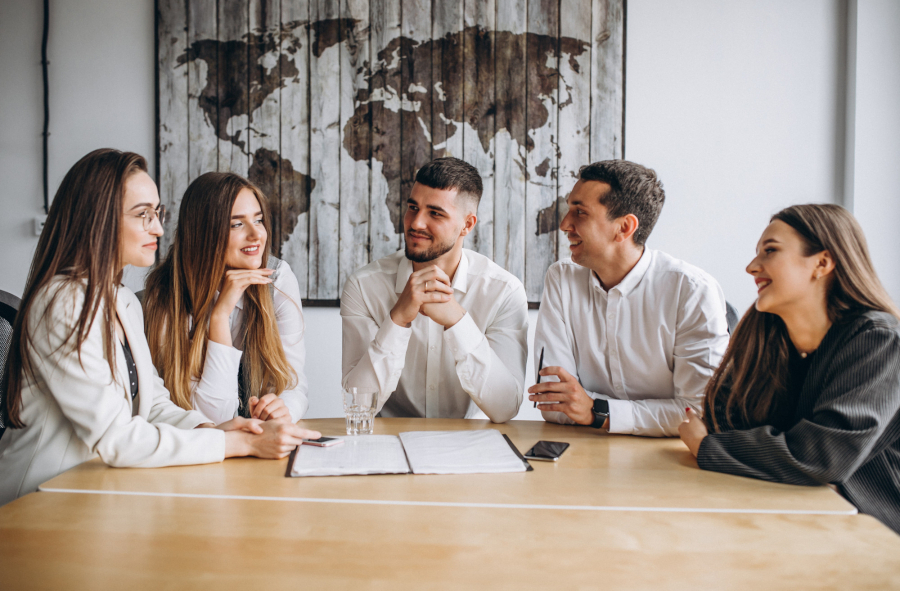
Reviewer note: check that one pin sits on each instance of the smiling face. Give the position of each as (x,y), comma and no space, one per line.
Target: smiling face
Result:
(786,278)
(435,222)
(592,235)
(247,237)
(140,199)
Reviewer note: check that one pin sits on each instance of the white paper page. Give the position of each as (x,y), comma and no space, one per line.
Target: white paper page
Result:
(362,454)
(460,452)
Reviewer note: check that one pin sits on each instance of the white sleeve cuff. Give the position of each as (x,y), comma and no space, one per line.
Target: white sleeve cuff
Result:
(621,416)
(220,372)
(463,337)
(393,339)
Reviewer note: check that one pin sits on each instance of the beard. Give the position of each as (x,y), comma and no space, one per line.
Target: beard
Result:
(429,254)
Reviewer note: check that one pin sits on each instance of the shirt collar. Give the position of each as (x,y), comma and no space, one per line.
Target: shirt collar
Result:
(460,278)
(632,279)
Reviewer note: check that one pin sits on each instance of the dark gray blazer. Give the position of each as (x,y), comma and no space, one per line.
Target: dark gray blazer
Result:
(847,429)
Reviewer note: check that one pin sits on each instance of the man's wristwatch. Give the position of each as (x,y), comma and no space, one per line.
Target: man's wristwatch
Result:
(601,412)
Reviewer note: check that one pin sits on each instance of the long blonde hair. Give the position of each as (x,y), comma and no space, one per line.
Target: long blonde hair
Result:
(181,293)
(754,370)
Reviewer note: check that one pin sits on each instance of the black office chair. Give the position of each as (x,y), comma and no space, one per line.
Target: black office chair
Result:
(731,317)
(9,306)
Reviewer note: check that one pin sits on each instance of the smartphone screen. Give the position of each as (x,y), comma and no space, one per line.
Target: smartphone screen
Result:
(546,450)
(323,441)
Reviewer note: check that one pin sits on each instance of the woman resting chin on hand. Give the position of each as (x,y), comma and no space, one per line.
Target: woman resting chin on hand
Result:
(81,382)
(224,318)
(809,389)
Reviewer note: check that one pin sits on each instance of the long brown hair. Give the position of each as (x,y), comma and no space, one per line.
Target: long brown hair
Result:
(754,370)
(181,293)
(81,244)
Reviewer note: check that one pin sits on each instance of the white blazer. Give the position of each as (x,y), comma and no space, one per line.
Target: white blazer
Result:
(75,411)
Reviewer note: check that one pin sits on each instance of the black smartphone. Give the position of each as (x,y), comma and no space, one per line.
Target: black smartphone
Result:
(323,441)
(548,451)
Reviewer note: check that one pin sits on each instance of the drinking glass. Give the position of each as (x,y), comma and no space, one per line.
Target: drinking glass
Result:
(360,405)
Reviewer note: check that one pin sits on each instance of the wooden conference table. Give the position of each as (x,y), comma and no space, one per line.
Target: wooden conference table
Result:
(616,511)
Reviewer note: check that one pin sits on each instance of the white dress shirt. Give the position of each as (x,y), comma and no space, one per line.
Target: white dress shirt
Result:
(649,345)
(424,370)
(215,394)
(74,409)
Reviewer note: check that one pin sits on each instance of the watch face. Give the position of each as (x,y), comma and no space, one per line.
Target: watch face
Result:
(601,406)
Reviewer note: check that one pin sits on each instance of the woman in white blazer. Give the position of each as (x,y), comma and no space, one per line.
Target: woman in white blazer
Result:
(81,381)
(223,317)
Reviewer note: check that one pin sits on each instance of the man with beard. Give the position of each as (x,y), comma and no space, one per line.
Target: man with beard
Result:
(438,330)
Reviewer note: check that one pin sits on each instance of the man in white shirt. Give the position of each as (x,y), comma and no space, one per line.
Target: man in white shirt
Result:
(630,335)
(436,329)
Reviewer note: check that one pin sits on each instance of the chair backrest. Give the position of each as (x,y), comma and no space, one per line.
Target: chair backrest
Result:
(9,306)
(731,317)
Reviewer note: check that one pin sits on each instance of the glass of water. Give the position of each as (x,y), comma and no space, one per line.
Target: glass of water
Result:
(360,405)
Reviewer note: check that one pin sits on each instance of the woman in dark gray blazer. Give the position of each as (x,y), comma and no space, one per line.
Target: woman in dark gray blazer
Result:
(809,389)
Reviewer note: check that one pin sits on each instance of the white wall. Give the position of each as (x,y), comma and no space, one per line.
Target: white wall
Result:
(737,105)
(877,154)
(102,94)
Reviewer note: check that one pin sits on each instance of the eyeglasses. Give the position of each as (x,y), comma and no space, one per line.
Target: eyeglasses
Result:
(148,215)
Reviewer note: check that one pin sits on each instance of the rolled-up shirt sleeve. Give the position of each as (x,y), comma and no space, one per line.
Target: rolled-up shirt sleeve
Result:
(491,365)
(372,356)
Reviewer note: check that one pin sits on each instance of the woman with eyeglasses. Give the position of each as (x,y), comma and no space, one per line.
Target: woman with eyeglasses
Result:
(223,316)
(80,380)
(809,389)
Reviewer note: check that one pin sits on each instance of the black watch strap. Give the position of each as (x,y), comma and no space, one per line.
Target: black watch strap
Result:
(601,412)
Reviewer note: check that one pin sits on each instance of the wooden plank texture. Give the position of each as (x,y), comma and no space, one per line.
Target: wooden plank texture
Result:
(294,159)
(332,106)
(264,95)
(510,138)
(173,112)
(354,164)
(415,109)
(203,84)
(541,144)
(480,106)
(575,102)
(325,149)
(233,86)
(384,205)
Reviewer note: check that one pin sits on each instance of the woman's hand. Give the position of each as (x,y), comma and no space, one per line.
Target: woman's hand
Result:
(234,284)
(692,431)
(269,408)
(241,424)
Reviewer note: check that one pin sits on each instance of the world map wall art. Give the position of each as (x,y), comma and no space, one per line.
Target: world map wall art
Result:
(331,106)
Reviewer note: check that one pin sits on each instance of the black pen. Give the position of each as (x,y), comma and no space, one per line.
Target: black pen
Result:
(540,367)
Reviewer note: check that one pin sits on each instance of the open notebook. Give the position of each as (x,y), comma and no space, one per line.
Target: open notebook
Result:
(418,452)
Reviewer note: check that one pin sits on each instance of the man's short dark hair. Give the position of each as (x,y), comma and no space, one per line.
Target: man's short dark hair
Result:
(452,173)
(634,189)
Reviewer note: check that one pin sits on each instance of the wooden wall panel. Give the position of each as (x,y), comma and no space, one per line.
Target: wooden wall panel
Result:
(509,137)
(173,111)
(478,128)
(354,180)
(331,106)
(294,161)
(541,143)
(384,82)
(325,148)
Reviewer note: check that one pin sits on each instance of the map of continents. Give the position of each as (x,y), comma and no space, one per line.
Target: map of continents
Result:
(229,100)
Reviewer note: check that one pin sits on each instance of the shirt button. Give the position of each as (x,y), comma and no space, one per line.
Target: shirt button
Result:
(431,387)
(432,347)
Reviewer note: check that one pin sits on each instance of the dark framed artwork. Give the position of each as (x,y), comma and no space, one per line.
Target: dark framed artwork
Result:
(331,106)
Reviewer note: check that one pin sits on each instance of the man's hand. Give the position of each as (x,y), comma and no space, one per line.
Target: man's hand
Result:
(269,408)
(693,430)
(570,397)
(425,286)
